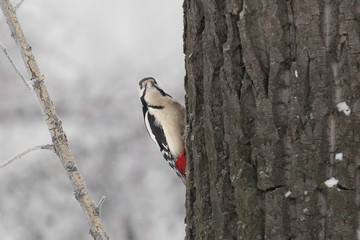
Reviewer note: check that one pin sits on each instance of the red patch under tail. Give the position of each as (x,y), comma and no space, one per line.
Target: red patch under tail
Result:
(181,162)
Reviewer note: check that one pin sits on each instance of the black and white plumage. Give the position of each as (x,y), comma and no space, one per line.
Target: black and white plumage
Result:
(164,120)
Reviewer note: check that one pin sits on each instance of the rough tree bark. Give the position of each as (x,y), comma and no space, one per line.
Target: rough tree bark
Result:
(263,82)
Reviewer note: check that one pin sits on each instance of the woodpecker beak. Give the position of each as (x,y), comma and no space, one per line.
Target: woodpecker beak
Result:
(149,84)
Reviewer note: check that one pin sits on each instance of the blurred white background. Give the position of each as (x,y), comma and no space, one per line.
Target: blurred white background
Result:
(93,54)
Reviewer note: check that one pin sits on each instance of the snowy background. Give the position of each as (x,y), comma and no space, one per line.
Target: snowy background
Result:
(93,53)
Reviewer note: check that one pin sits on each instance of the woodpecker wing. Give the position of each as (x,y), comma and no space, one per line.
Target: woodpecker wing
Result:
(157,134)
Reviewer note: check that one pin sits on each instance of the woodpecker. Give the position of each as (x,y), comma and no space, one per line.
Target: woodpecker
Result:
(164,120)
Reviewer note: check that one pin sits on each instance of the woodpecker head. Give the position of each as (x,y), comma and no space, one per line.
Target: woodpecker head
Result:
(150,92)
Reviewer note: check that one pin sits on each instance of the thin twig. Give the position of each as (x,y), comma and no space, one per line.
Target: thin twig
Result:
(18,5)
(27,83)
(101,201)
(48,147)
(97,208)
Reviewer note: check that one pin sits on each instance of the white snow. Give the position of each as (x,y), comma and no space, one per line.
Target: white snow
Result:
(331,182)
(296,74)
(343,107)
(287,194)
(339,156)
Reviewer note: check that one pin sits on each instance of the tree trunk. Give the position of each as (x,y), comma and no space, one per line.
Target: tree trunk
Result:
(268,84)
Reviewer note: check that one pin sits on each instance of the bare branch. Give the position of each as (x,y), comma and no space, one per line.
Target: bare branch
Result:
(57,133)
(48,147)
(27,83)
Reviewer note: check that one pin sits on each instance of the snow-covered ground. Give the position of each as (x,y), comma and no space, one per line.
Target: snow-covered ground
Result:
(93,53)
